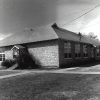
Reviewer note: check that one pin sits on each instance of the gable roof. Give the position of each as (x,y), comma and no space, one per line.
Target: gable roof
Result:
(18,47)
(68,35)
(43,33)
(39,34)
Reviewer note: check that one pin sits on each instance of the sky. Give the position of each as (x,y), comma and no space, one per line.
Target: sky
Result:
(20,15)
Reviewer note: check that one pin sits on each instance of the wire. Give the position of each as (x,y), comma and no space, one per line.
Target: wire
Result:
(81,15)
(78,11)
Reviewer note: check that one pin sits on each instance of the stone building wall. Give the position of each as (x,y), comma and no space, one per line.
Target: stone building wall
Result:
(46,56)
(8,54)
(46,53)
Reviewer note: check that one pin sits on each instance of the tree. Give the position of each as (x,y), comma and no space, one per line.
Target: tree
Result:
(92,35)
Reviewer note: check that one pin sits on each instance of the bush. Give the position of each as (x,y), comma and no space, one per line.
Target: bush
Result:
(8,63)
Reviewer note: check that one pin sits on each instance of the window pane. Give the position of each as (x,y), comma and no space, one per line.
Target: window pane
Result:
(69,55)
(85,50)
(2,57)
(98,51)
(77,50)
(67,50)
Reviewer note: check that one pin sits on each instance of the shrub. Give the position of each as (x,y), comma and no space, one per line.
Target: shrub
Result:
(8,63)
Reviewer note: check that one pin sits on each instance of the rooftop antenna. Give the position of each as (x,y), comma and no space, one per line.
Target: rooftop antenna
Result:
(55,25)
(80,36)
(28,29)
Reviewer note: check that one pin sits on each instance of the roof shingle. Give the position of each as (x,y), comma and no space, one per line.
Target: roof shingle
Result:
(45,33)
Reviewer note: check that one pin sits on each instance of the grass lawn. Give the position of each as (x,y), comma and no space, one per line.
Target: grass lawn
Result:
(50,86)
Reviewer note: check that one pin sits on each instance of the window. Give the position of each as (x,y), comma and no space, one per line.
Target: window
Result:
(77,50)
(98,51)
(67,50)
(92,52)
(2,57)
(85,50)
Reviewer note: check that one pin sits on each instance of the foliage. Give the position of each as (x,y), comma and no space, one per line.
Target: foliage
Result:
(24,61)
(8,63)
(91,35)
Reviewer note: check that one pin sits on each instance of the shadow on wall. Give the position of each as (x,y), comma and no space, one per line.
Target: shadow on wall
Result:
(27,61)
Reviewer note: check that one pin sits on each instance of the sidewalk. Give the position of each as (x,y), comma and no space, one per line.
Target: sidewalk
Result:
(77,70)
(14,74)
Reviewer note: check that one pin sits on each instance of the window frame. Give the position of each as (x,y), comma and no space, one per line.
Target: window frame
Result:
(97,53)
(85,54)
(2,56)
(92,52)
(67,50)
(76,50)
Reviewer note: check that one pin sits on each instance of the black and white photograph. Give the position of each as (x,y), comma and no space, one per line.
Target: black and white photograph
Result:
(49,49)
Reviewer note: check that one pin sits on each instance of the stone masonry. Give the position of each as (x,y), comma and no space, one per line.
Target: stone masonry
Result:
(47,56)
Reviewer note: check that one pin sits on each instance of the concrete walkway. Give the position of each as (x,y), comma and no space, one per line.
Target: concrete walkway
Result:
(16,74)
(76,70)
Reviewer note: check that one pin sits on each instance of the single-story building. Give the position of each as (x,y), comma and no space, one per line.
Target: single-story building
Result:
(51,45)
